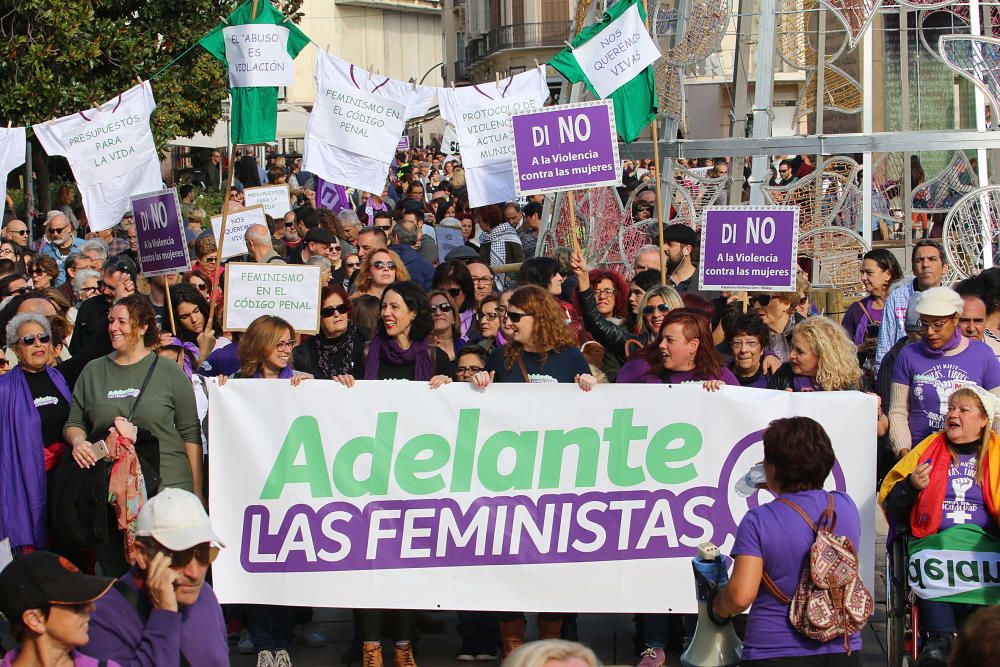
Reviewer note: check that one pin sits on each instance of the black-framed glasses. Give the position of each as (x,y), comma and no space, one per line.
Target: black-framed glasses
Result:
(352,265)
(455,292)
(441,307)
(37,271)
(515,317)
(483,279)
(384,265)
(201,286)
(19,232)
(54,231)
(90,290)
(468,370)
(328,311)
(660,308)
(20,290)
(42,338)
(204,552)
(289,224)
(763,300)
(285,345)
(608,291)
(488,316)
(934,326)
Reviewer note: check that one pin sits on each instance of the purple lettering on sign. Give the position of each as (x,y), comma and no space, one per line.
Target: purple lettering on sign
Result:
(567,147)
(160,233)
(331,196)
(749,248)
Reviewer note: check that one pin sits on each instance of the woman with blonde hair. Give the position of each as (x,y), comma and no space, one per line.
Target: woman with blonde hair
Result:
(822,358)
(381,268)
(552,653)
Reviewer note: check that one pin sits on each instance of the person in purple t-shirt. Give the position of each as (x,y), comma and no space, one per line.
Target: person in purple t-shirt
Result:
(677,355)
(773,538)
(928,371)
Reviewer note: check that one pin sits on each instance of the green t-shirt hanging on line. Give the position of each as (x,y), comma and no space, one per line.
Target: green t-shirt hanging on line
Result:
(254,110)
(634,102)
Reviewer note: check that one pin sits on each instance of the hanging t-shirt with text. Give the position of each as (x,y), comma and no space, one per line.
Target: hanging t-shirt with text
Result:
(12,145)
(111,152)
(356,123)
(480,115)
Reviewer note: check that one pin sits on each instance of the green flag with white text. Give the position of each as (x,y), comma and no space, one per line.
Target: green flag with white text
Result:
(958,565)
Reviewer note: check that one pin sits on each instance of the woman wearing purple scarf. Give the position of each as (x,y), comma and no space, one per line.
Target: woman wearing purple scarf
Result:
(929,370)
(34,404)
(399,351)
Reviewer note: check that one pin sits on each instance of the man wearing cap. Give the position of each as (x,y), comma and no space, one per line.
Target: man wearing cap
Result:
(162,612)
(928,371)
(48,603)
(679,242)
(317,243)
(929,267)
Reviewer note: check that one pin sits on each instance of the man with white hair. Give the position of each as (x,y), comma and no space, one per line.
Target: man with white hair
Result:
(96,251)
(351,224)
(163,612)
(646,258)
(85,285)
(62,242)
(258,240)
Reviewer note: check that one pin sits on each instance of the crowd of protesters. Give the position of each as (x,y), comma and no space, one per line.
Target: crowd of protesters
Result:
(103,404)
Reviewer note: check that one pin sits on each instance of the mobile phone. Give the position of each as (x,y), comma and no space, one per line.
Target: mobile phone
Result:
(99,449)
(871,331)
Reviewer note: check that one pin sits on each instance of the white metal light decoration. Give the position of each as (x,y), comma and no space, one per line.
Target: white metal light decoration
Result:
(977,59)
(972,231)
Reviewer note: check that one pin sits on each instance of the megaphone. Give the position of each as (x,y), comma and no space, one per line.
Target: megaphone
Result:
(712,645)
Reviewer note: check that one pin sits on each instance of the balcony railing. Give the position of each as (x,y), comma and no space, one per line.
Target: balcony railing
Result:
(527,35)
(475,51)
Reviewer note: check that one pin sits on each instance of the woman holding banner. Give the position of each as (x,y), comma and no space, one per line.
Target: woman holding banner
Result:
(822,358)
(339,347)
(947,490)
(446,334)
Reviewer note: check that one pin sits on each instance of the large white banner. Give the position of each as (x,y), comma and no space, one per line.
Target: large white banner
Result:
(258,55)
(357,121)
(546,498)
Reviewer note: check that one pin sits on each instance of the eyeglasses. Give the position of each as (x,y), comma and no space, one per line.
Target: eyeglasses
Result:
(285,345)
(488,316)
(762,300)
(328,311)
(933,326)
(37,271)
(468,370)
(455,292)
(749,344)
(20,290)
(6,251)
(352,265)
(211,259)
(609,291)
(441,307)
(42,338)
(483,279)
(384,228)
(660,308)
(89,290)
(384,265)
(19,232)
(54,231)
(515,317)
(289,224)
(201,286)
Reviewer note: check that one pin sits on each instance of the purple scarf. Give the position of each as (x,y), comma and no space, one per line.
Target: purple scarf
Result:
(947,347)
(22,463)
(382,348)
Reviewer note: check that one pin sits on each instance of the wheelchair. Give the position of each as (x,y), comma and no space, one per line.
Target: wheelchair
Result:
(901,612)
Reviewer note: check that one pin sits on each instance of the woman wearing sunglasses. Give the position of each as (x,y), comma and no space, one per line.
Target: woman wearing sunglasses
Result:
(445,335)
(44,272)
(454,278)
(339,347)
(488,322)
(34,405)
(381,268)
(351,265)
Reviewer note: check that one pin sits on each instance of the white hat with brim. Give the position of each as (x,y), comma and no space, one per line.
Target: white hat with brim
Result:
(940,302)
(176,519)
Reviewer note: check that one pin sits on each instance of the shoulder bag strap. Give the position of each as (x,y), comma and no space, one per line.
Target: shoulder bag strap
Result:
(142,389)
(524,371)
(801,511)
(766,578)
(828,519)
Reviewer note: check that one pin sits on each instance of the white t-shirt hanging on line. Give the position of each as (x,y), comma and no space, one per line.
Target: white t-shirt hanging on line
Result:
(12,145)
(479,114)
(111,151)
(356,123)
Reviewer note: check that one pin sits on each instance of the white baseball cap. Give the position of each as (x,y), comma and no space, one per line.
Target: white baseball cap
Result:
(940,302)
(176,519)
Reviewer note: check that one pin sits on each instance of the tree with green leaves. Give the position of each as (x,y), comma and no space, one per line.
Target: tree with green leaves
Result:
(58,57)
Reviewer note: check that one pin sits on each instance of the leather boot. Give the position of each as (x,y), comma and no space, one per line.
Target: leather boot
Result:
(549,629)
(936,650)
(511,635)
(402,655)
(371,654)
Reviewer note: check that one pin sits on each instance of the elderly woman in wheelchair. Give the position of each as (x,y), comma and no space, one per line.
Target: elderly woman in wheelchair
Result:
(947,491)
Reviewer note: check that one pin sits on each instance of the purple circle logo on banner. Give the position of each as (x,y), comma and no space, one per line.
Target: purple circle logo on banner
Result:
(749,248)
(566,147)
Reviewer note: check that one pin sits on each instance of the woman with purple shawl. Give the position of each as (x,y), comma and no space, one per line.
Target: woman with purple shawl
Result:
(34,404)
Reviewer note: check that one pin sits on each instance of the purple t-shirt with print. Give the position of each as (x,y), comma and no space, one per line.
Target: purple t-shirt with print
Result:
(963,498)
(776,533)
(638,371)
(932,379)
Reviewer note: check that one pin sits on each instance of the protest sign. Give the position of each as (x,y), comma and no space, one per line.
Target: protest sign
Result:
(404,143)
(274,198)
(331,196)
(258,55)
(484,129)
(617,54)
(749,248)
(290,291)
(449,142)
(159,231)
(399,496)
(357,121)
(237,223)
(566,147)
(448,238)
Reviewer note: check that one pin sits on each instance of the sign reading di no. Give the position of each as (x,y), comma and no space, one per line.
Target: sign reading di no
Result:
(750,248)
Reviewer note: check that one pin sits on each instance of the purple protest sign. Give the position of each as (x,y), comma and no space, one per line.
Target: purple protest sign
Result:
(331,196)
(749,248)
(404,143)
(566,147)
(160,233)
